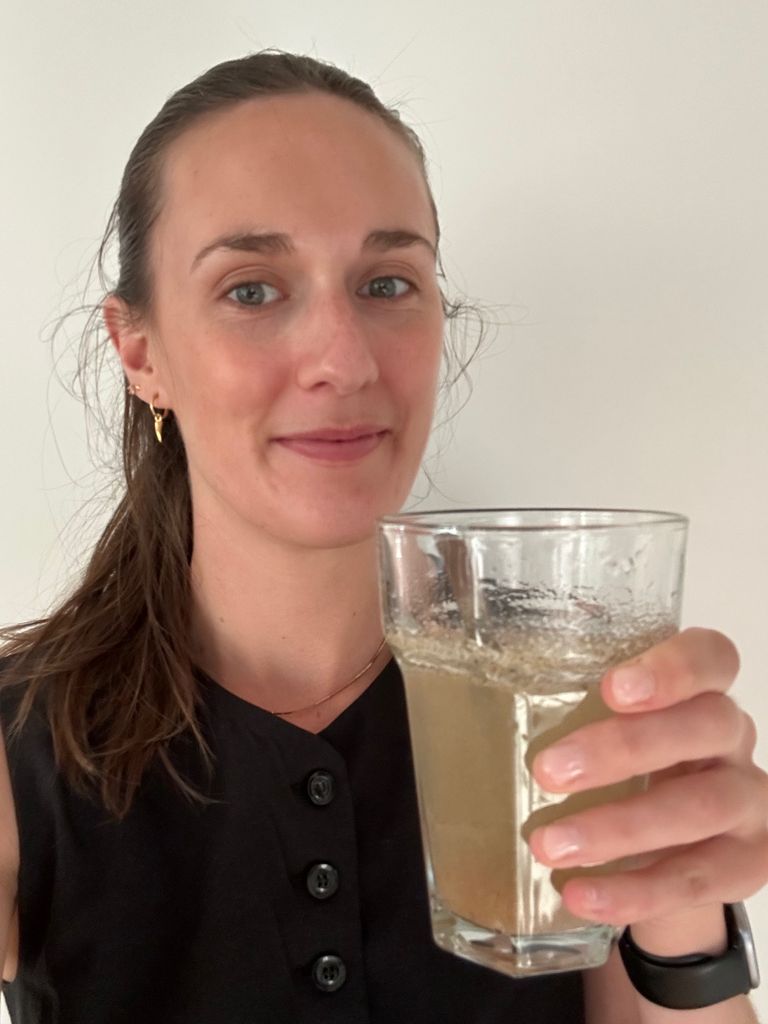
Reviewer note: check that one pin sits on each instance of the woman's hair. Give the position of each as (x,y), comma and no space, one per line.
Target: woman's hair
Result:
(113,663)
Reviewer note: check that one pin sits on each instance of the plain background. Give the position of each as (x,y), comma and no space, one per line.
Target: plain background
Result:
(600,170)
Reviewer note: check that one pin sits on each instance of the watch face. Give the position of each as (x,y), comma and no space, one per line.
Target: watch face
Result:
(750,953)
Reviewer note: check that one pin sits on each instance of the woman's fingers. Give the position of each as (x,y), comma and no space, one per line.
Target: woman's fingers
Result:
(676,811)
(719,870)
(699,834)
(710,725)
(686,664)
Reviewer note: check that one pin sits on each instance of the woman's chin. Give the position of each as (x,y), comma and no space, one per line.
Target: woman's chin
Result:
(331,535)
(333,527)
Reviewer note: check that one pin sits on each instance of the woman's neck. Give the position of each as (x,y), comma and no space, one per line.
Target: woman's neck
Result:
(284,626)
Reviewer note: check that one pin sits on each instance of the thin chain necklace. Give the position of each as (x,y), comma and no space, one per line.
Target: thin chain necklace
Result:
(344,687)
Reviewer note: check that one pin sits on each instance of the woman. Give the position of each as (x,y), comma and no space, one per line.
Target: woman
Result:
(209,810)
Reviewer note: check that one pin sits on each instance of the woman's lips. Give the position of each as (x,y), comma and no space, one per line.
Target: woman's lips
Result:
(347,450)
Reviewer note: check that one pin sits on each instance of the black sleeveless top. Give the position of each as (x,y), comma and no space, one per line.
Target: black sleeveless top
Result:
(298,898)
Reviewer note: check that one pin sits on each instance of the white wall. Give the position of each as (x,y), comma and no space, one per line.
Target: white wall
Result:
(601,173)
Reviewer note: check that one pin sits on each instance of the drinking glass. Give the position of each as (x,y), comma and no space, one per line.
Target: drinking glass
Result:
(503,622)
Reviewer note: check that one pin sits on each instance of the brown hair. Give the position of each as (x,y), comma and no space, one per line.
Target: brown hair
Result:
(113,662)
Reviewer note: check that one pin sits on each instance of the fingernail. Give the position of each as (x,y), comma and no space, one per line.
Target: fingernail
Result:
(560,841)
(632,684)
(594,897)
(562,763)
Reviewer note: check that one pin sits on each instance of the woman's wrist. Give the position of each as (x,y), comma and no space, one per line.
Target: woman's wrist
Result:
(695,930)
(705,930)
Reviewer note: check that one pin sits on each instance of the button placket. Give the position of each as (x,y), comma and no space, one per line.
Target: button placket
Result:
(329,971)
(324,943)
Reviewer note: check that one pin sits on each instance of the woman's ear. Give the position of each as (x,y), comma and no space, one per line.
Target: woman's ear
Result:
(130,338)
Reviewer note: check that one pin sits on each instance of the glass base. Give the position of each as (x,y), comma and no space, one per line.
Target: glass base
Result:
(522,956)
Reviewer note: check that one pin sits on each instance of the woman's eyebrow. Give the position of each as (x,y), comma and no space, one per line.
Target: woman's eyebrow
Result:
(277,243)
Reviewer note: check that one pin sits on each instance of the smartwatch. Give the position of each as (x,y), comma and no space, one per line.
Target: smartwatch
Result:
(697,980)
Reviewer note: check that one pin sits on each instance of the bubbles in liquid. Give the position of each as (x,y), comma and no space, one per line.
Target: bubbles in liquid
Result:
(549,653)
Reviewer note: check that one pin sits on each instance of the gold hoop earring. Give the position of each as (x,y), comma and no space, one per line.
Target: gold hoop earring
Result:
(159,417)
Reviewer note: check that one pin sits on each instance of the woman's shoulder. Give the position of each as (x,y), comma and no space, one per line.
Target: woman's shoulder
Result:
(13,681)
(16,680)
(9,859)
(10,696)
(15,668)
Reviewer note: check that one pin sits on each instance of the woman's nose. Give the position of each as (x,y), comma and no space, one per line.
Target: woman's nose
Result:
(336,347)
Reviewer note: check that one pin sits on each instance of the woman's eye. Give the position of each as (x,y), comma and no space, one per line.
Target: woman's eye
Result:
(251,293)
(255,293)
(384,287)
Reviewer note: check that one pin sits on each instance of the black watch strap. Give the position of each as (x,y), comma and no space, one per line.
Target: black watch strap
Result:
(691,982)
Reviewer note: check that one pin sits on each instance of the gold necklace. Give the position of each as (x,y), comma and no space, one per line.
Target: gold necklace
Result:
(344,687)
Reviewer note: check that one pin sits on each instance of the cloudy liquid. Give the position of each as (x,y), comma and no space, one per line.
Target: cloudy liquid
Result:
(476,723)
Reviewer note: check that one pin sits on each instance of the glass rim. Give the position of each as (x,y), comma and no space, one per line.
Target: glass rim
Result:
(439,520)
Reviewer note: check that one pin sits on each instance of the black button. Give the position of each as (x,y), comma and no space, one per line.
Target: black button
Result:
(322,881)
(321,788)
(329,973)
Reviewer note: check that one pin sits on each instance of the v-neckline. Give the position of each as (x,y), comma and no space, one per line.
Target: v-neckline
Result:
(261,717)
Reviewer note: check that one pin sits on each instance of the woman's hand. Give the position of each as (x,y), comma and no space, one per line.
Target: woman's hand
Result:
(703,822)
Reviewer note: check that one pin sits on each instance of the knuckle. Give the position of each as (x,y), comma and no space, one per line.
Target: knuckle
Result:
(702,648)
(695,883)
(761,803)
(626,739)
(716,715)
(748,737)
(753,805)
(738,794)
(720,648)
(717,800)
(683,658)
(631,823)
(702,805)
(639,904)
(727,720)
(748,806)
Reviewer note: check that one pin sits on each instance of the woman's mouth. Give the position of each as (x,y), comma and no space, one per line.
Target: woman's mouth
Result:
(335,445)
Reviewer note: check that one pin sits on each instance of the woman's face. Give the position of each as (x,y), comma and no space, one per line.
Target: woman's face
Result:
(262,346)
